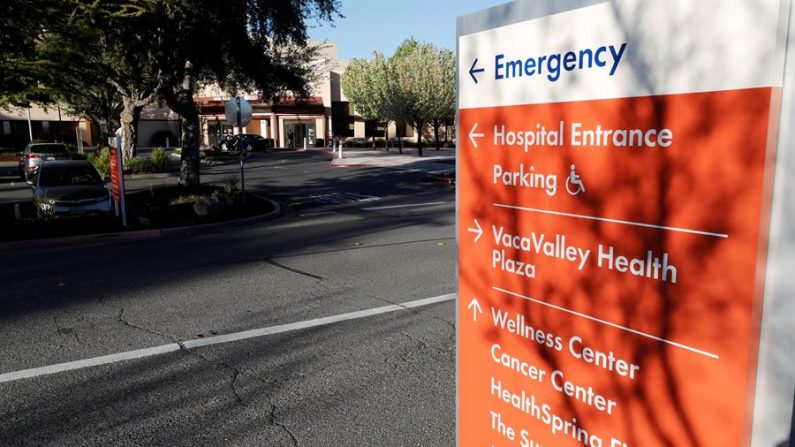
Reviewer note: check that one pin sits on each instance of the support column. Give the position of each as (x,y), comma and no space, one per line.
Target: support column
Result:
(274,130)
(320,132)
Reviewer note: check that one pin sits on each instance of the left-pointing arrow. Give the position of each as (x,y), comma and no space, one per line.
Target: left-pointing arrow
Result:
(478,231)
(475,307)
(473,70)
(473,135)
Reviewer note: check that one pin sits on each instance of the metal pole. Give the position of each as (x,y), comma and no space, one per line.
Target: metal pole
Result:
(240,148)
(30,126)
(60,124)
(79,136)
(120,166)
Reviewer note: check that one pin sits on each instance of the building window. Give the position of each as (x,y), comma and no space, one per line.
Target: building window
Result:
(405,130)
(217,130)
(374,128)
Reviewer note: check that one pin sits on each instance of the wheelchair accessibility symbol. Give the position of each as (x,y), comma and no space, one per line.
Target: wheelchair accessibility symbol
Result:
(574,184)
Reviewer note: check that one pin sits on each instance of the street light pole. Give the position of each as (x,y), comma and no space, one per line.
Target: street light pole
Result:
(240,149)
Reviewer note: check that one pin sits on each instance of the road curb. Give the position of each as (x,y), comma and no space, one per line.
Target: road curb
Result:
(441,179)
(140,235)
(277,211)
(355,166)
(153,175)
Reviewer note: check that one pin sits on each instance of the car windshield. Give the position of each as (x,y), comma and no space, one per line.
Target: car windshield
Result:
(69,175)
(48,149)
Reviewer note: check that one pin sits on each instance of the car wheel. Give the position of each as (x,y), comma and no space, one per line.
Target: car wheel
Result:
(249,148)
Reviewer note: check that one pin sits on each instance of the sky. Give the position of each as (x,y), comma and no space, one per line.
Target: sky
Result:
(381,25)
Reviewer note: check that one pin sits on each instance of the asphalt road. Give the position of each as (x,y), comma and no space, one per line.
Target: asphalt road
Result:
(350,240)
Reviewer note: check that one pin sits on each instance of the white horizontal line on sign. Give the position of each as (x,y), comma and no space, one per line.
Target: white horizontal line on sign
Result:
(409,205)
(616,221)
(608,323)
(218,339)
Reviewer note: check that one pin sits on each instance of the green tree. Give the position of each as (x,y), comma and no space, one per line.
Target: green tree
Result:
(102,104)
(418,72)
(243,45)
(168,47)
(443,100)
(94,57)
(22,25)
(366,85)
(115,43)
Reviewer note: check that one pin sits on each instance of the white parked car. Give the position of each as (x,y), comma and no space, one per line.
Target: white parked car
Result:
(69,188)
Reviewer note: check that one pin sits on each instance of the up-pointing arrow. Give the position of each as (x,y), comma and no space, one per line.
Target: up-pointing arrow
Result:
(473,135)
(478,231)
(475,307)
(473,70)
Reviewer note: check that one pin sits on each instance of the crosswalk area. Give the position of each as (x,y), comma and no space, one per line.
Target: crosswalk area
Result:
(341,198)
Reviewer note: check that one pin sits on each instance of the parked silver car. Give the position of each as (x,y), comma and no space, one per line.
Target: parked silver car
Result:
(37,153)
(69,188)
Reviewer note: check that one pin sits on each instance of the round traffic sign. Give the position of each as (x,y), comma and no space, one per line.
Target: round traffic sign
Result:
(231,111)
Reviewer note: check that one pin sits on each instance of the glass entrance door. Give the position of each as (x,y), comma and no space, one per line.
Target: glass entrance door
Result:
(295,132)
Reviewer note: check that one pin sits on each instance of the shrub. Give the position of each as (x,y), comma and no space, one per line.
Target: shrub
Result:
(230,184)
(136,165)
(159,160)
(101,161)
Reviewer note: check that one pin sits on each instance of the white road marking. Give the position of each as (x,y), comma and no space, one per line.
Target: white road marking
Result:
(605,219)
(343,197)
(218,339)
(609,323)
(389,207)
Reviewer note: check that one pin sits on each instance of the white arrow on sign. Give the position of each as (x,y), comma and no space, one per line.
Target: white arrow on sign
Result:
(477,230)
(475,307)
(473,135)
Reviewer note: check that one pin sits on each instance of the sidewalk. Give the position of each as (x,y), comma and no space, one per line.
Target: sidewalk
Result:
(432,161)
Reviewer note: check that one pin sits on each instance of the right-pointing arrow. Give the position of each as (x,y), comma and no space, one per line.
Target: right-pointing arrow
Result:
(473,135)
(477,230)
(475,307)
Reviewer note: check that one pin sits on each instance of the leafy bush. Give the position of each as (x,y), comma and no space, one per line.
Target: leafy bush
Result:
(183,199)
(159,160)
(230,184)
(136,165)
(101,161)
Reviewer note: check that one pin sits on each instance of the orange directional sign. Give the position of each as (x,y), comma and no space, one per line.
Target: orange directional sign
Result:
(613,199)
